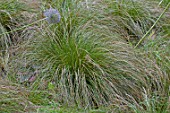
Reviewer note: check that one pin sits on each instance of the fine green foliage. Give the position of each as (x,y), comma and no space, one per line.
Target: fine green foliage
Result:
(154,104)
(10,9)
(87,60)
(13,98)
(131,19)
(10,17)
(86,68)
(76,61)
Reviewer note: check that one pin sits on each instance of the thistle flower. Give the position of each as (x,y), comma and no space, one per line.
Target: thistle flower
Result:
(52,15)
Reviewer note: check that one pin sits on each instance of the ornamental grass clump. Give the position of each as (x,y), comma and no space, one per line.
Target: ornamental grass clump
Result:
(88,66)
(75,61)
(78,68)
(89,73)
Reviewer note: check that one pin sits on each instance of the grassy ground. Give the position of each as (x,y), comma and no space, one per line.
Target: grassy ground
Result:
(103,56)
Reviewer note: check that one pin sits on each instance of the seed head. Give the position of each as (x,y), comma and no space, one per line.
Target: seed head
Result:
(52,15)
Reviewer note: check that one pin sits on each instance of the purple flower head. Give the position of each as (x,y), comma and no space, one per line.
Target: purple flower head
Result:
(52,15)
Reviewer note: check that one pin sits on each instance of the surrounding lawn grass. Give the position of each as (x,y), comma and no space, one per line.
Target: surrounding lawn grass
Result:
(88,61)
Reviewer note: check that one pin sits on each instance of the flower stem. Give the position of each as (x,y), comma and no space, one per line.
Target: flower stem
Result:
(153,25)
